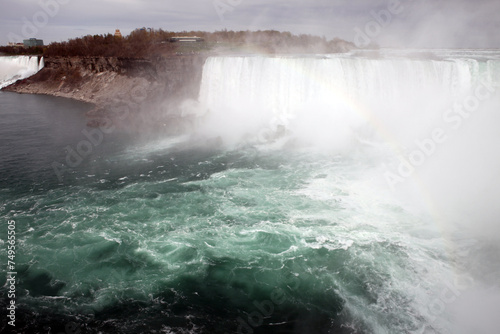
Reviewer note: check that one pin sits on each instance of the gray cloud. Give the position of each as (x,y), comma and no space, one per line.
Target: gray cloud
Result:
(422,23)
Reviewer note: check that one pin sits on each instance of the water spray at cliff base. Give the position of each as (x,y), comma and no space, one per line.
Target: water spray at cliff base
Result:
(417,119)
(417,133)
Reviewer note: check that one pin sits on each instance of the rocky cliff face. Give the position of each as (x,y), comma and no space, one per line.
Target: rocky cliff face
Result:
(147,88)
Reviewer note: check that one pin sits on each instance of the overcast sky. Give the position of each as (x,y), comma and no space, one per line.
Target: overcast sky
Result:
(390,23)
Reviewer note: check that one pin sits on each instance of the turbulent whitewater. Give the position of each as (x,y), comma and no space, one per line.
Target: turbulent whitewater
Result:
(308,194)
(18,67)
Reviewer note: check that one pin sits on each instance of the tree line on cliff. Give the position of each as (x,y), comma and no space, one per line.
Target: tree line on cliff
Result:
(156,42)
(19,50)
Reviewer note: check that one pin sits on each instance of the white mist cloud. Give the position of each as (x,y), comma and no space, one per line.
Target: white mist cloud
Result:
(476,311)
(448,24)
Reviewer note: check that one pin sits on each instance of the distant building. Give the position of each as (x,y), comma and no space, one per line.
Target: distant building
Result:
(186,39)
(118,33)
(16,44)
(32,42)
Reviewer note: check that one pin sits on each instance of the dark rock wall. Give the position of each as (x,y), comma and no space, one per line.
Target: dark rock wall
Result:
(181,75)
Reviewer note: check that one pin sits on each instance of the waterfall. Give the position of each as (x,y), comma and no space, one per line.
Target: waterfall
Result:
(321,95)
(17,68)
(282,84)
(41,64)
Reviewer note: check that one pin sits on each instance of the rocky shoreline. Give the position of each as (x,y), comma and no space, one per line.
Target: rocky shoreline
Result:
(148,89)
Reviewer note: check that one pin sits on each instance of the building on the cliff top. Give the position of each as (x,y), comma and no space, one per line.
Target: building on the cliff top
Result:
(186,39)
(32,42)
(118,33)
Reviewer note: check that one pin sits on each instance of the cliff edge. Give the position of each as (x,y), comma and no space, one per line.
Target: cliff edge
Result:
(110,83)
